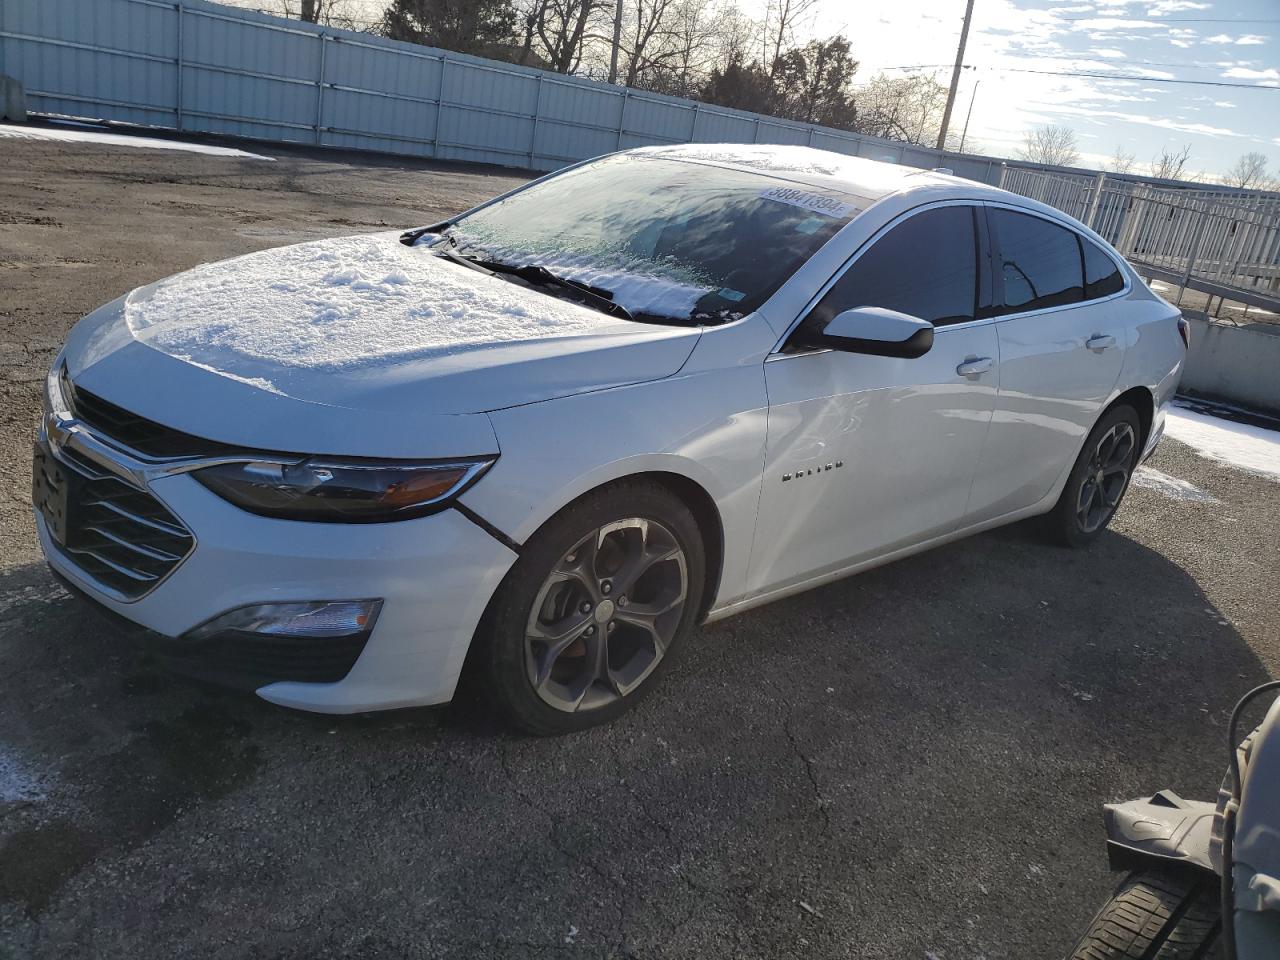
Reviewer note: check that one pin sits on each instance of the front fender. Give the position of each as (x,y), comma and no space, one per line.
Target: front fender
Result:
(1165,829)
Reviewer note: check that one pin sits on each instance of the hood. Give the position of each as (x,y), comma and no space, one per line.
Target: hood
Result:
(353,346)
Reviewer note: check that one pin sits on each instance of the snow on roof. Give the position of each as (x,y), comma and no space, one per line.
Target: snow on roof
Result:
(868,179)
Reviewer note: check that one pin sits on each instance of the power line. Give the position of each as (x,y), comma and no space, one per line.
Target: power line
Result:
(1111,76)
(1093,75)
(1121,16)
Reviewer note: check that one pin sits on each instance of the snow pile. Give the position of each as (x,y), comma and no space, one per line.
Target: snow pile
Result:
(78,134)
(1251,448)
(341,304)
(1172,487)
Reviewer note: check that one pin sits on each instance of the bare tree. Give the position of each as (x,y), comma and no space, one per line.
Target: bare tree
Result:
(1171,164)
(1249,173)
(1121,161)
(562,30)
(781,18)
(328,13)
(1052,144)
(900,108)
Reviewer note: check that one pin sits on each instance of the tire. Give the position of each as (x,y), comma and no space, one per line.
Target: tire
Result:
(530,662)
(1066,523)
(1156,915)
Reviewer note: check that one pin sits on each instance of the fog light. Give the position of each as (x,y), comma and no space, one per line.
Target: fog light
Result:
(318,620)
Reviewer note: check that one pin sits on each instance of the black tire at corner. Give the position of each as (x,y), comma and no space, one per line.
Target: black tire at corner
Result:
(499,658)
(1060,523)
(1156,915)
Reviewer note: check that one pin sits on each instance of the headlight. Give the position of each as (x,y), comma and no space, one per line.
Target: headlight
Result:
(341,491)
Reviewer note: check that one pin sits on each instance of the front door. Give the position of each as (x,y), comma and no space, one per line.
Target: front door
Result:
(869,454)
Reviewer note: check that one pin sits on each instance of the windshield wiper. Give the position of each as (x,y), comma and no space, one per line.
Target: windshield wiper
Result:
(449,253)
(537,274)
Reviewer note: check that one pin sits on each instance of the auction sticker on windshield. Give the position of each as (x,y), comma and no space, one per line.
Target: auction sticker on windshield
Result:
(808,201)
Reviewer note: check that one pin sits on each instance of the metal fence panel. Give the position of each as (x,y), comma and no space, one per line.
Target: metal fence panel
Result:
(1221,242)
(192,65)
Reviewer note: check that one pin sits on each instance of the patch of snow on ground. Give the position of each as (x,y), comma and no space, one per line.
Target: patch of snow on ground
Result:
(17,784)
(80,135)
(341,304)
(1250,448)
(1150,478)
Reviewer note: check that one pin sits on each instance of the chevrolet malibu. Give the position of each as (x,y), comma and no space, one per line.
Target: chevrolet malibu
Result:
(542,440)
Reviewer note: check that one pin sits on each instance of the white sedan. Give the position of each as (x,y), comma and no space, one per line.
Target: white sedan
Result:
(542,440)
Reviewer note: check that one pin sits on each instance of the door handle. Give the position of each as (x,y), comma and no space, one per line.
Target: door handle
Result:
(1100,342)
(974,367)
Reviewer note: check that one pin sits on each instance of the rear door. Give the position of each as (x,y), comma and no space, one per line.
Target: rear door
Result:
(869,454)
(1061,349)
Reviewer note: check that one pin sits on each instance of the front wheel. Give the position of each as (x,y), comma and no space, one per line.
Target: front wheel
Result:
(1156,915)
(1099,478)
(588,618)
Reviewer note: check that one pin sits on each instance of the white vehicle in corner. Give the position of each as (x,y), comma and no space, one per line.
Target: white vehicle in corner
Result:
(546,438)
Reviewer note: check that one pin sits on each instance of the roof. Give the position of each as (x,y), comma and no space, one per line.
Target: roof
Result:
(866,179)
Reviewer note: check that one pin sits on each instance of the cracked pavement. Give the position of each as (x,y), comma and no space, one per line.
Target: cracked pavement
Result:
(917,755)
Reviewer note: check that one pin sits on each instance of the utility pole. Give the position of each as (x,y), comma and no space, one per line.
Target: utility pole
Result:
(617,40)
(955,76)
(974,96)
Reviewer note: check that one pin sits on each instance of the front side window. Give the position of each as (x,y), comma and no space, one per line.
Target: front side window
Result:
(1039,262)
(672,241)
(1102,277)
(926,267)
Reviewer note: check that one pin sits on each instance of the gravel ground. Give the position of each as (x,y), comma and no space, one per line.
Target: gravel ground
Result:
(906,764)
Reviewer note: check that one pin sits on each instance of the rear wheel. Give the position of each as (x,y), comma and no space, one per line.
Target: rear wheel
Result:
(1156,915)
(590,615)
(1099,478)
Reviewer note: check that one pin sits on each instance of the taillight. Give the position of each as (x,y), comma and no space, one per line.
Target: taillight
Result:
(1184,329)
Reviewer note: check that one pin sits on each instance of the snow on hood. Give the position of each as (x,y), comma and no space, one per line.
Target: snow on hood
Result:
(341,304)
(358,346)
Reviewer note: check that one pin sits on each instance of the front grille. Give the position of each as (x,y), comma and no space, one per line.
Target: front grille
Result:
(138,433)
(123,538)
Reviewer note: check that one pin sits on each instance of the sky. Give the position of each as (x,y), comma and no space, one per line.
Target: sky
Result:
(1215,41)
(1231,42)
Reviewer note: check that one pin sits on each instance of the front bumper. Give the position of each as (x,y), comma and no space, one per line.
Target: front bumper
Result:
(435,576)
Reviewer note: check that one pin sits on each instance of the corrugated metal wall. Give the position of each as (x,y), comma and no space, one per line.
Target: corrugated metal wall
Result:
(191,65)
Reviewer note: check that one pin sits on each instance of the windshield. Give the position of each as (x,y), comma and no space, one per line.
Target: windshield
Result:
(671,241)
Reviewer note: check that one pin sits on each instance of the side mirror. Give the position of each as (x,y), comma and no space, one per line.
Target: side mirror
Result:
(872,330)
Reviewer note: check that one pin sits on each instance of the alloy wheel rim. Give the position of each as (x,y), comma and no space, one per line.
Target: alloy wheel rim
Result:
(606,615)
(1108,475)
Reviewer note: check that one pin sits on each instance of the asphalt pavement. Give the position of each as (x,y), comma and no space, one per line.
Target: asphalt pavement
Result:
(905,764)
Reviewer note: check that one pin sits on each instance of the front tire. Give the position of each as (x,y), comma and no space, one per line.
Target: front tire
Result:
(587,620)
(1099,479)
(1156,915)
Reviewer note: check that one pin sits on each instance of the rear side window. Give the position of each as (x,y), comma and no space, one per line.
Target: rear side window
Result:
(926,266)
(1102,277)
(1039,262)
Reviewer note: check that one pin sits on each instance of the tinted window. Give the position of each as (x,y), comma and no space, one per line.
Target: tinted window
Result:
(1101,275)
(1040,262)
(924,267)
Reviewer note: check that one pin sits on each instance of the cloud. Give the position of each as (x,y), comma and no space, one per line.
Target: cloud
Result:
(1108,53)
(1270,74)
(1250,40)
(1111,24)
(1181,43)
(1164,123)
(1224,104)
(1219,38)
(1165,7)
